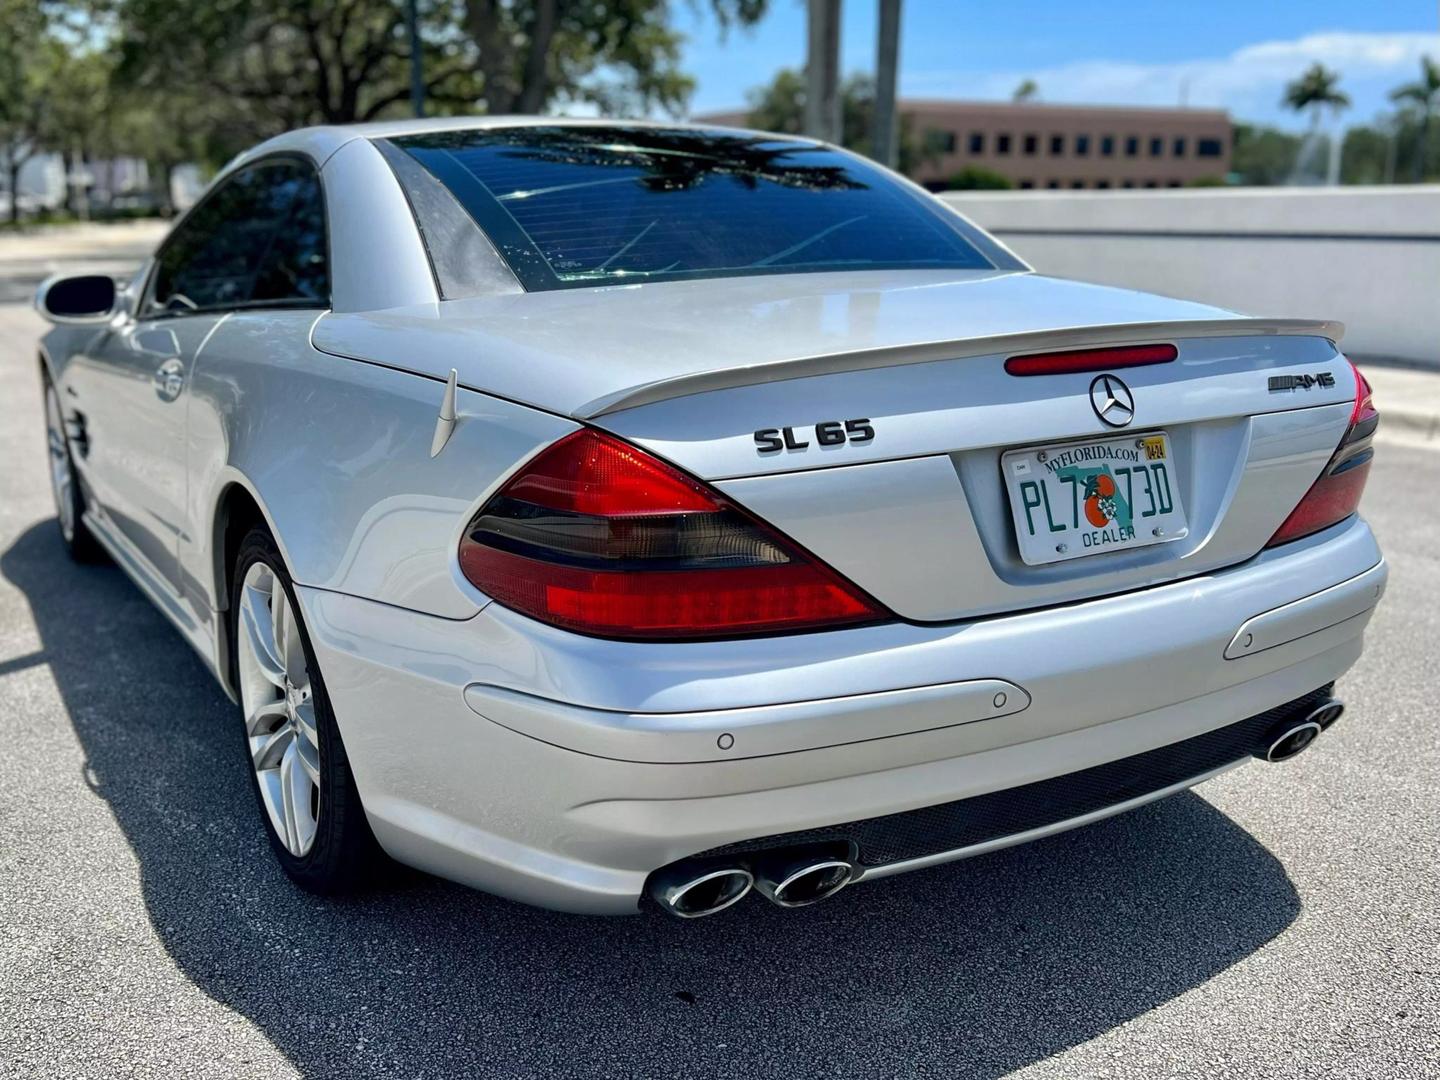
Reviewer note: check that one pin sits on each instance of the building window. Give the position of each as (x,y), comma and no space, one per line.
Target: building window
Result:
(1151,183)
(977,142)
(1179,148)
(1208,147)
(1032,143)
(1002,144)
(1132,146)
(1157,146)
(1082,145)
(1026,185)
(1077,184)
(1127,183)
(1107,146)
(1057,145)
(940,142)
(1052,184)
(1102,184)
(1172,183)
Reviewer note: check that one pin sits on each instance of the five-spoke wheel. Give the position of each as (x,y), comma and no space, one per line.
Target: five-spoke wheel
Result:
(279,707)
(64,484)
(318,829)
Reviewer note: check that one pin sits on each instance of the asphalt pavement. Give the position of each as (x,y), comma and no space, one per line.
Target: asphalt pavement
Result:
(1280,922)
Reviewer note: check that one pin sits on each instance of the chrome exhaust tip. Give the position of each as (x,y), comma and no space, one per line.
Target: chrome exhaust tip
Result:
(1292,737)
(1327,712)
(1291,740)
(692,892)
(802,882)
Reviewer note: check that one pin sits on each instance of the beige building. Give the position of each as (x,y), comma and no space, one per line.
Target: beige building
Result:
(1064,146)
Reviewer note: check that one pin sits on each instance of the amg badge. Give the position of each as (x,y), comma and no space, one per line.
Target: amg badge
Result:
(827,433)
(1324,380)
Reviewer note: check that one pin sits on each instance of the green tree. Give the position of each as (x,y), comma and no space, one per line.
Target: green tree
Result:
(1028,90)
(27,63)
(1263,155)
(1317,90)
(263,66)
(1424,95)
(978,178)
(164,132)
(268,65)
(780,106)
(78,113)
(620,55)
(1367,150)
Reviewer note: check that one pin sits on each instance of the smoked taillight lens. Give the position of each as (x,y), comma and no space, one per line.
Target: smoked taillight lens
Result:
(598,536)
(1336,495)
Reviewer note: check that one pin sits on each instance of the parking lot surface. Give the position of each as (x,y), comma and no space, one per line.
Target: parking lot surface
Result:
(1280,922)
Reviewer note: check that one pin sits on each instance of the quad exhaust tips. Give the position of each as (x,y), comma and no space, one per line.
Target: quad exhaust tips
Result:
(692,892)
(798,882)
(1298,733)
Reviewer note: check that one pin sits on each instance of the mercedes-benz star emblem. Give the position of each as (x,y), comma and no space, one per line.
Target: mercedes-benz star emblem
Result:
(1112,401)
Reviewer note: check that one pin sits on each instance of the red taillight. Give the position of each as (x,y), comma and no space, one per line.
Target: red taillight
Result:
(1076,360)
(1364,409)
(1336,495)
(585,473)
(597,536)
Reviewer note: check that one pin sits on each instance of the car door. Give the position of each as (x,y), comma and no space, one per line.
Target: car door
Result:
(250,356)
(131,387)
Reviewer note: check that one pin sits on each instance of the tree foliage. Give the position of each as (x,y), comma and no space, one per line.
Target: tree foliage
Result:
(264,66)
(27,63)
(1316,90)
(1263,155)
(780,106)
(979,178)
(1422,95)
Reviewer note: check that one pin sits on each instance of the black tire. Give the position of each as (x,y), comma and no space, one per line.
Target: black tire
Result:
(80,543)
(344,856)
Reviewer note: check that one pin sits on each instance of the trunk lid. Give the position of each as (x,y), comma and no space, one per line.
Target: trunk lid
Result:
(921,514)
(581,352)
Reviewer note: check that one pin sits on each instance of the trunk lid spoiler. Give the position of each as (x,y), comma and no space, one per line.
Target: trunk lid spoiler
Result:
(1129,333)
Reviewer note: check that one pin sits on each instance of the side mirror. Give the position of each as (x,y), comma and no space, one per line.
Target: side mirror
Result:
(84,298)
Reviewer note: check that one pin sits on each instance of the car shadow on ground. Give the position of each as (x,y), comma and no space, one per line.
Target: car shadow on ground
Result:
(973,969)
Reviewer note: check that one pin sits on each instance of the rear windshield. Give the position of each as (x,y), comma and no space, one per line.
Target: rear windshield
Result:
(580,206)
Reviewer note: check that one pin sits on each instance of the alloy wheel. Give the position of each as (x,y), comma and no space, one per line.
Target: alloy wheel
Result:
(277,700)
(61,476)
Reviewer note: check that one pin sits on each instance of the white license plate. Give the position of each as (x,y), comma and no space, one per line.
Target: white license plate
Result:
(1085,498)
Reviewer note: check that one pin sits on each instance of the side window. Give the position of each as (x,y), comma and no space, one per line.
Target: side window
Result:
(297,267)
(258,239)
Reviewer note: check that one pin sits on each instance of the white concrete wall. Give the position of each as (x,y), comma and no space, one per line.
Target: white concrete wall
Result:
(1368,256)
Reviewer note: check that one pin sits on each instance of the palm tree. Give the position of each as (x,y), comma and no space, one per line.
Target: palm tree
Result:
(1026,91)
(1317,90)
(1425,94)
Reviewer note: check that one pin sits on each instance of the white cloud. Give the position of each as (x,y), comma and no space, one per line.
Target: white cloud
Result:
(1249,82)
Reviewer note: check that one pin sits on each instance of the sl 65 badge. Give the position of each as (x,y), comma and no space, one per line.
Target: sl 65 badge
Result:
(827,433)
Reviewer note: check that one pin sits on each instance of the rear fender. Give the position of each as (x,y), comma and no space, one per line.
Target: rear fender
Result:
(336,453)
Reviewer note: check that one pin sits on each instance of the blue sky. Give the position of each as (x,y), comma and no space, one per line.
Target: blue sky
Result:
(1233,54)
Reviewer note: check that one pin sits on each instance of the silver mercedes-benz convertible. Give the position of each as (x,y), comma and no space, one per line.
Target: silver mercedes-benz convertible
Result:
(609,514)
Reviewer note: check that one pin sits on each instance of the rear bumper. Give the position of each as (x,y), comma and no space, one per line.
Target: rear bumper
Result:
(562,770)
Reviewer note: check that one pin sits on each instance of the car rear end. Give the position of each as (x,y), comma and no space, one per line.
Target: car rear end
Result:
(704,662)
(837,573)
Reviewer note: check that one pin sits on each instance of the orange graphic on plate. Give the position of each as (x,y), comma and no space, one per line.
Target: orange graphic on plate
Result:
(1099,493)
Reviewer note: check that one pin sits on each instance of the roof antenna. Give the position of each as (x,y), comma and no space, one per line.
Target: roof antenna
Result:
(445,422)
